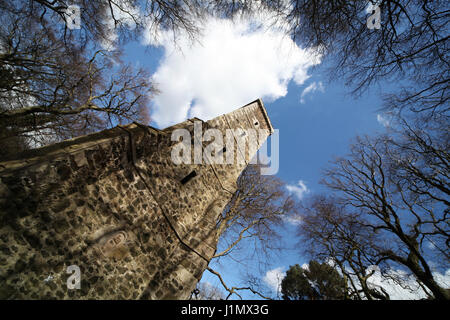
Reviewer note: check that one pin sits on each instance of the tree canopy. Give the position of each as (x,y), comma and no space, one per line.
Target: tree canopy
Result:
(389,202)
(317,281)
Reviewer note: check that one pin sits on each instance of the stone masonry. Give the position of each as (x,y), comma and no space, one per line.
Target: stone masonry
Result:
(115,205)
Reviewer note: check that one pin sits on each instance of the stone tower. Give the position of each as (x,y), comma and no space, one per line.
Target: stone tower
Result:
(114,205)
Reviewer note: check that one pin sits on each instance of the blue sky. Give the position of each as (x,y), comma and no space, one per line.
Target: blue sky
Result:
(315,124)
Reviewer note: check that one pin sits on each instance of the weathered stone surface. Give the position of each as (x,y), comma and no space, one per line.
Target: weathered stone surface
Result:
(115,205)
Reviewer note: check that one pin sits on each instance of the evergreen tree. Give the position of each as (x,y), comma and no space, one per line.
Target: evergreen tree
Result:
(319,281)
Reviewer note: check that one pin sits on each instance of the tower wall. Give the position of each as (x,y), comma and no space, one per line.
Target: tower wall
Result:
(114,204)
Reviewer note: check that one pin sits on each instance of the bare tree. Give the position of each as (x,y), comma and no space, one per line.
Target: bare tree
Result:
(260,203)
(411,47)
(330,233)
(65,96)
(252,220)
(125,18)
(55,85)
(399,184)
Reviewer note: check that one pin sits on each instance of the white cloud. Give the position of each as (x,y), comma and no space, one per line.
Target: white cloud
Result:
(294,219)
(300,189)
(273,278)
(443,279)
(383,120)
(123,12)
(315,86)
(410,290)
(233,64)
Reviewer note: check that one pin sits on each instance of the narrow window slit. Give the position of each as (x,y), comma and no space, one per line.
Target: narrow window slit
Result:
(222,151)
(188,177)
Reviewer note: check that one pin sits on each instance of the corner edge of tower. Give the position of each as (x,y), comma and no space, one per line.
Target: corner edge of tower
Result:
(264,112)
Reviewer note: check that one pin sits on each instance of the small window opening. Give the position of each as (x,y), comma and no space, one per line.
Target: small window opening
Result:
(256,123)
(222,151)
(188,177)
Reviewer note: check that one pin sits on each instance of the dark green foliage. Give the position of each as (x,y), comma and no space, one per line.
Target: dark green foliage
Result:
(320,282)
